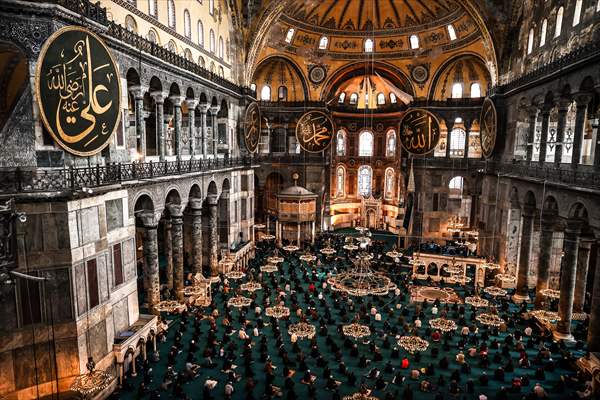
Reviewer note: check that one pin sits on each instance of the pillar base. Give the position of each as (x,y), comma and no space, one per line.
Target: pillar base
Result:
(567,337)
(517,298)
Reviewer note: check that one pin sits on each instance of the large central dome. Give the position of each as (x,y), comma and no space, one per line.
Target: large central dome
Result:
(371,16)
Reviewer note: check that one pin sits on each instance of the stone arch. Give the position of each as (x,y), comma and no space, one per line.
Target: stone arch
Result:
(550,206)
(529,202)
(189,93)
(143,202)
(578,211)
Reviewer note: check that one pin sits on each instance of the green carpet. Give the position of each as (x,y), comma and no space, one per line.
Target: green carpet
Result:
(385,305)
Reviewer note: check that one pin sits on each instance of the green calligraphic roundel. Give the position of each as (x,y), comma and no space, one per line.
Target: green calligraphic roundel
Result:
(489,127)
(78,90)
(252,127)
(419,131)
(314,131)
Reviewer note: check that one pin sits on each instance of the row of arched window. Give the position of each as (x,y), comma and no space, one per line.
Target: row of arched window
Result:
(265,92)
(381,98)
(458,90)
(368,43)
(366,144)
(557,26)
(364,182)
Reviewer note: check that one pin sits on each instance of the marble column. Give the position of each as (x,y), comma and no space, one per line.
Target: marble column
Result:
(177,238)
(593,338)
(467,132)
(582,102)
(583,261)
(568,272)
(176,101)
(215,130)
(140,123)
(191,107)
(544,135)
(224,214)
(203,108)
(533,111)
(213,234)
(150,251)
(449,127)
(196,214)
(563,108)
(169,252)
(543,274)
(159,100)
(522,293)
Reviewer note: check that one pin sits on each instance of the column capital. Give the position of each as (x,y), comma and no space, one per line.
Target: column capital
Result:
(203,108)
(158,96)
(176,100)
(149,219)
(214,110)
(191,104)
(563,104)
(176,212)
(583,99)
(195,204)
(551,223)
(137,91)
(574,226)
(532,111)
(212,199)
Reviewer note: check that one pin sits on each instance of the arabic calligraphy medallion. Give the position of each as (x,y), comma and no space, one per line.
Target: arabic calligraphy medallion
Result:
(489,127)
(252,127)
(78,90)
(419,131)
(314,131)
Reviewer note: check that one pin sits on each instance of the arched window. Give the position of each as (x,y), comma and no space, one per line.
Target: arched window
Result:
(221,47)
(369,46)
(577,14)
(457,142)
(221,72)
(457,90)
(451,32)
(172,46)
(353,98)
(152,8)
(381,99)
(390,148)
(543,32)
(282,93)
(389,183)
(342,98)
(530,41)
(265,93)
(211,41)
(201,62)
(323,43)
(393,98)
(188,55)
(211,7)
(365,144)
(200,33)
(187,24)
(365,174)
(153,37)
(290,35)
(414,42)
(130,24)
(456,183)
(340,145)
(171,13)
(475,90)
(559,18)
(340,182)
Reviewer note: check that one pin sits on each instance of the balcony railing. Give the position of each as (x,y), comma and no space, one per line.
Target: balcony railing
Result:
(72,179)
(85,8)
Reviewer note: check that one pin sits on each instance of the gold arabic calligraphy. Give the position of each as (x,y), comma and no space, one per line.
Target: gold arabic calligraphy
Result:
(315,131)
(419,132)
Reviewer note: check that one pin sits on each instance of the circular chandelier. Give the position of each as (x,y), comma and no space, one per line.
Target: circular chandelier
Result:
(545,315)
(259,226)
(239,302)
(251,286)
(433,293)
(268,237)
(365,256)
(413,344)
(356,331)
(495,291)
(458,279)
(277,312)
(291,248)
(235,275)
(393,254)
(328,251)
(350,247)
(193,290)
(92,382)
(552,293)
(307,258)
(269,268)
(507,279)
(275,259)
(361,229)
(579,316)
(417,262)
(476,301)
(490,265)
(359,396)
(168,306)
(302,330)
(490,319)
(360,280)
(443,324)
